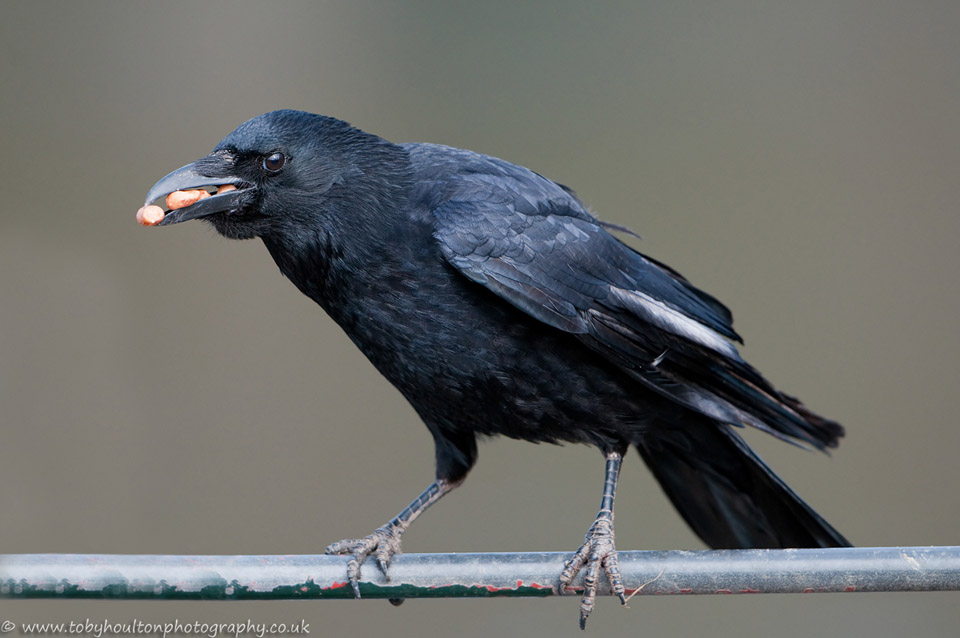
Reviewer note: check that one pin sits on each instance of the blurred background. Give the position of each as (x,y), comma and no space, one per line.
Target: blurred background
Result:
(166,391)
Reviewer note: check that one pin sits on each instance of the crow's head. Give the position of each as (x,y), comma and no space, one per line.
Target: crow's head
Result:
(290,170)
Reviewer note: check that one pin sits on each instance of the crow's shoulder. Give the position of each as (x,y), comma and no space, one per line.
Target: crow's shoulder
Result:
(444,173)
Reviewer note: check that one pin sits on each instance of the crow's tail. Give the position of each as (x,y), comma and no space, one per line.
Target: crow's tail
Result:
(728,495)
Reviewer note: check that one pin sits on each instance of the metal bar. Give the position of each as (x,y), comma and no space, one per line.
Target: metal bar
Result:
(148,577)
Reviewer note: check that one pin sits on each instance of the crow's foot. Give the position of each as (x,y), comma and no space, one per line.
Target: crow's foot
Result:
(598,551)
(383,543)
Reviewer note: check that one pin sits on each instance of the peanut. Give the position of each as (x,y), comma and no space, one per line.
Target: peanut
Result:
(150,215)
(182,199)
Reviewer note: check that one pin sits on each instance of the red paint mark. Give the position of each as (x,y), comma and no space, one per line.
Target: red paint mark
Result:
(338,585)
(492,589)
(724,591)
(303,589)
(519,583)
(538,586)
(808,590)
(850,588)
(686,590)
(749,591)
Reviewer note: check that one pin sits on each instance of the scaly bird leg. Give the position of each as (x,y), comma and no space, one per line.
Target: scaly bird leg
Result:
(385,540)
(598,550)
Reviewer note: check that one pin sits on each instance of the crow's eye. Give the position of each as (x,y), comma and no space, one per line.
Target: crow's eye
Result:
(274,162)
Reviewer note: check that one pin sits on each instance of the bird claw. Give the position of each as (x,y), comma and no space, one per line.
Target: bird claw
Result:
(383,544)
(598,551)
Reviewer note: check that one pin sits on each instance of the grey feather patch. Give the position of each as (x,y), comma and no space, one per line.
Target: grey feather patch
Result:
(663,316)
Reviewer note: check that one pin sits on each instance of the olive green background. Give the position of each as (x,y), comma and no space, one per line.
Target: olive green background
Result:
(166,391)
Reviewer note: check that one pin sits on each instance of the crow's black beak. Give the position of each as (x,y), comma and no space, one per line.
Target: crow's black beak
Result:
(192,177)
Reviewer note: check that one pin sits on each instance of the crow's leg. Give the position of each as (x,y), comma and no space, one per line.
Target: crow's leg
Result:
(598,551)
(385,540)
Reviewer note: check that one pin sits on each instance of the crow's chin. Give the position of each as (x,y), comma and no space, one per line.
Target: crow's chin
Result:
(234,226)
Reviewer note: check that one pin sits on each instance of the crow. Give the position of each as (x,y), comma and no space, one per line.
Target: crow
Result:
(498,305)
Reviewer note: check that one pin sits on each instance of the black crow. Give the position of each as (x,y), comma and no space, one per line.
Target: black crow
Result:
(492,299)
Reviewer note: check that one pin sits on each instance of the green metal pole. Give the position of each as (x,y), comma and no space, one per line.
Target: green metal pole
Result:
(159,577)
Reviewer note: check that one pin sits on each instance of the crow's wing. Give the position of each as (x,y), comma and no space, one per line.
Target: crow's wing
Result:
(533,243)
